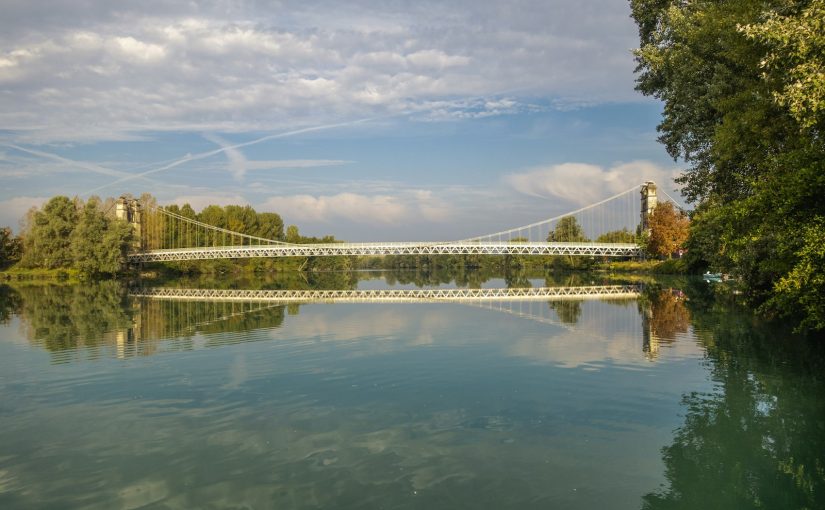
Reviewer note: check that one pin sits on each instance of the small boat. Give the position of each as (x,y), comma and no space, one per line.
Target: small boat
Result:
(712,277)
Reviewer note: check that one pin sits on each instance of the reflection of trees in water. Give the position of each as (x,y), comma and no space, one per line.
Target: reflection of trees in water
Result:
(159,319)
(62,317)
(517,279)
(567,279)
(759,441)
(9,303)
(568,311)
(292,280)
(65,317)
(664,315)
(668,314)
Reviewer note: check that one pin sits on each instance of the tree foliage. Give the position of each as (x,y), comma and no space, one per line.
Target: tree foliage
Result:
(567,230)
(795,60)
(10,247)
(668,230)
(742,84)
(804,285)
(67,233)
(99,244)
(47,239)
(617,236)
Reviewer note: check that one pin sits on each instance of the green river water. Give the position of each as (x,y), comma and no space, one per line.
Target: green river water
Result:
(675,399)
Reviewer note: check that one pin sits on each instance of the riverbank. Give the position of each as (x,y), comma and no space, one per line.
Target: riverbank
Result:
(19,274)
(647,267)
(669,267)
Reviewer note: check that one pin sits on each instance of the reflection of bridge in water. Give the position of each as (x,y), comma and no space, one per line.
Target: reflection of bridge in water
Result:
(176,314)
(392,295)
(183,319)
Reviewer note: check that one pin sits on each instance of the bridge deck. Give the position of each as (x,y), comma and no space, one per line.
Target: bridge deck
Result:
(350,249)
(392,295)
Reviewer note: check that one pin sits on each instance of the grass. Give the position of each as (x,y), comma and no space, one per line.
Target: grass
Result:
(672,266)
(18,273)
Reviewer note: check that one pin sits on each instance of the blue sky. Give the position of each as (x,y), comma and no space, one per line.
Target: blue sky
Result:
(368,120)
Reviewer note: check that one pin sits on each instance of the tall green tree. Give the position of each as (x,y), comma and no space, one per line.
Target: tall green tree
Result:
(742,86)
(270,226)
(213,215)
(795,59)
(10,247)
(292,234)
(241,219)
(99,244)
(567,230)
(47,238)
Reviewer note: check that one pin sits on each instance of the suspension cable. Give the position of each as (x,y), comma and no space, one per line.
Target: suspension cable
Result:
(549,220)
(217,229)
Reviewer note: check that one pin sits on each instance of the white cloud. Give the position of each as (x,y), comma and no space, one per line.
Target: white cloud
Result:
(130,67)
(431,208)
(583,184)
(351,206)
(132,49)
(408,207)
(436,59)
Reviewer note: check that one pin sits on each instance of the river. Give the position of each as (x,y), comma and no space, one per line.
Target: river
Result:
(671,398)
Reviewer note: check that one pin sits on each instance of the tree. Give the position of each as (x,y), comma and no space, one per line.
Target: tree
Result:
(794,60)
(99,244)
(87,238)
(668,230)
(10,247)
(241,219)
(270,226)
(804,285)
(292,235)
(568,311)
(617,236)
(744,106)
(567,230)
(47,239)
(213,215)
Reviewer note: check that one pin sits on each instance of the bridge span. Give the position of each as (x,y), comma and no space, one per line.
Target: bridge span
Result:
(391,295)
(411,248)
(602,229)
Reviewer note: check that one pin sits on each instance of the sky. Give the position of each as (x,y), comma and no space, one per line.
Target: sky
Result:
(369,120)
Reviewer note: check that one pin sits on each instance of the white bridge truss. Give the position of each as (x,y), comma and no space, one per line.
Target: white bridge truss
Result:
(392,295)
(355,249)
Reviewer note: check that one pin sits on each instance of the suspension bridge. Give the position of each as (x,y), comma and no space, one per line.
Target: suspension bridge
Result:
(391,295)
(603,229)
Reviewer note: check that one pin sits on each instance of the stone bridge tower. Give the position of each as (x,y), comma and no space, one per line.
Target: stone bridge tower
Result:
(649,201)
(128,209)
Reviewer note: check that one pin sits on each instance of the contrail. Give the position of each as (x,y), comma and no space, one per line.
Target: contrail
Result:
(80,164)
(221,150)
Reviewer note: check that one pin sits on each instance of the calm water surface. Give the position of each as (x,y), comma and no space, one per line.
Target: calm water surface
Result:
(671,400)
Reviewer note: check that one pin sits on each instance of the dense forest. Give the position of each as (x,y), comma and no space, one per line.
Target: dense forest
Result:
(743,87)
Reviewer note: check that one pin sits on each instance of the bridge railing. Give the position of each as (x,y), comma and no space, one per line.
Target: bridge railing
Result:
(346,246)
(378,249)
